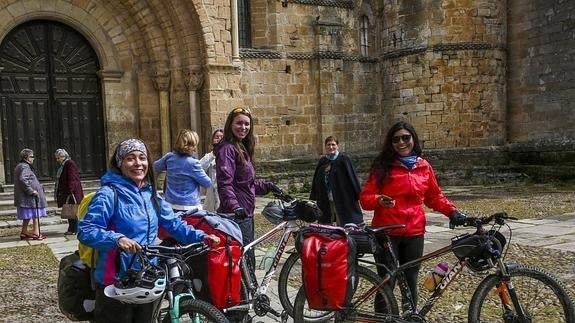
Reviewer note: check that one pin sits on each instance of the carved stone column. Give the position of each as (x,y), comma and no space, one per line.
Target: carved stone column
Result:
(194,83)
(235,32)
(162,84)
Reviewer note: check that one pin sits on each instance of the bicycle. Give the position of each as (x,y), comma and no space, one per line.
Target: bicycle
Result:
(289,217)
(513,293)
(182,304)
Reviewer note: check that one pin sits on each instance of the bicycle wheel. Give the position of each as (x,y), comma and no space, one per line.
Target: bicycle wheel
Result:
(289,282)
(365,309)
(197,311)
(541,296)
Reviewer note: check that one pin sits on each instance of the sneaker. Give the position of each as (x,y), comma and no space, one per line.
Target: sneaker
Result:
(69,233)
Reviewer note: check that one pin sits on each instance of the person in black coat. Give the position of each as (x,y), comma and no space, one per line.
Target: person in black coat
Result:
(68,185)
(335,187)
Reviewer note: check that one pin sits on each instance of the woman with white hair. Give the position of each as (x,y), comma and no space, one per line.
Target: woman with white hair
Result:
(29,196)
(68,186)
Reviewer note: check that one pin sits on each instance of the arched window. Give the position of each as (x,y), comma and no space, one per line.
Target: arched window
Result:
(364,35)
(244,24)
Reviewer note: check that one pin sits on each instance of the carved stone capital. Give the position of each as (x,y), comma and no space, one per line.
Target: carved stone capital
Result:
(162,80)
(195,80)
(110,76)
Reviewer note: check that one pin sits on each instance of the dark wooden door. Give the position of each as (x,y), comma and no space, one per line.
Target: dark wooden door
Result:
(50,98)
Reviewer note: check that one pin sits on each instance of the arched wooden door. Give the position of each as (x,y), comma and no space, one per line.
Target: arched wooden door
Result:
(50,98)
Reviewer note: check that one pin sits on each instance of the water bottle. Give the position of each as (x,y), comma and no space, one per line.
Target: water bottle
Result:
(268,259)
(173,269)
(434,276)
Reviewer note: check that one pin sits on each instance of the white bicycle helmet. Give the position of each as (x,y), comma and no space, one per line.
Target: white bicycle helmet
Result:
(139,286)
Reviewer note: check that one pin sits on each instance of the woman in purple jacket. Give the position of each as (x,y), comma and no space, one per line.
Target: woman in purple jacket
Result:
(68,185)
(235,173)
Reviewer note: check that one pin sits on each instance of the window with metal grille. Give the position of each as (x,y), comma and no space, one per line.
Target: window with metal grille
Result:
(364,35)
(244,24)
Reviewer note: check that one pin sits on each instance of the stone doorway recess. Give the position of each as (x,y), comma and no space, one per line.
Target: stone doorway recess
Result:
(50,97)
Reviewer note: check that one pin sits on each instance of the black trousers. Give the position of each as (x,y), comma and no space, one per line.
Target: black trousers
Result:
(72,225)
(247,227)
(406,249)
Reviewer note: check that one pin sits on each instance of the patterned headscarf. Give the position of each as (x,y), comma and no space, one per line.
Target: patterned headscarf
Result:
(126,147)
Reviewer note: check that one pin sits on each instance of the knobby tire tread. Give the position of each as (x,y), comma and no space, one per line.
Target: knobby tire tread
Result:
(488,284)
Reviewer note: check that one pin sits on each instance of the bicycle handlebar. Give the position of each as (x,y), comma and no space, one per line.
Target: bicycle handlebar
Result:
(283,196)
(195,248)
(478,222)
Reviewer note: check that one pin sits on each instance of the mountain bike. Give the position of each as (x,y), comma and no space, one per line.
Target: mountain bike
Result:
(182,305)
(512,293)
(291,214)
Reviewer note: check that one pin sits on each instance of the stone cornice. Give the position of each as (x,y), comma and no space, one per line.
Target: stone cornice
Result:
(439,48)
(347,4)
(249,53)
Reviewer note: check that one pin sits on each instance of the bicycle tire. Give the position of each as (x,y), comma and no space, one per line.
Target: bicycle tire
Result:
(541,295)
(206,312)
(366,280)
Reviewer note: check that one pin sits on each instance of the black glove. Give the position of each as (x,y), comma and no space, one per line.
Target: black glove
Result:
(456,218)
(276,189)
(240,213)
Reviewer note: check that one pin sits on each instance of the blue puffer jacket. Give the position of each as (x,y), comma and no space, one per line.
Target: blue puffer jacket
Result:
(134,217)
(184,176)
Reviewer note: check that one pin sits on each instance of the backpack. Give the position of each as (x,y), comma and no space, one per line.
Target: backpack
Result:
(88,254)
(76,298)
(328,257)
(76,292)
(216,274)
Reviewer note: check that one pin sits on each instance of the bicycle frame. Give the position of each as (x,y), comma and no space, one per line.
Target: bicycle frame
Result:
(397,273)
(288,228)
(505,290)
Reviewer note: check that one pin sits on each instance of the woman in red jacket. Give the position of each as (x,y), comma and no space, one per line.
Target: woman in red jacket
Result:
(400,183)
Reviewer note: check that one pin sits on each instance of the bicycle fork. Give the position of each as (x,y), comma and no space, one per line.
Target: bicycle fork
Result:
(508,296)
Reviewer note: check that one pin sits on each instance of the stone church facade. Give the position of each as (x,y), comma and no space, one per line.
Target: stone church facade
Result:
(488,84)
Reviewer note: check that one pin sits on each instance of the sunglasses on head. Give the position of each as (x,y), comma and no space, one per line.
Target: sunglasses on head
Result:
(404,138)
(241,110)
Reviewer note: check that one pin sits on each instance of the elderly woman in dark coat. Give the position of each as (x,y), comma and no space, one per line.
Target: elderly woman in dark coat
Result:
(29,196)
(68,185)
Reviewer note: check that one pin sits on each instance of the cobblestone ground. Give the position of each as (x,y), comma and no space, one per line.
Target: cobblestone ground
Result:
(29,274)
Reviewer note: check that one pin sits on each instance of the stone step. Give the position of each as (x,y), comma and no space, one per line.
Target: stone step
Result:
(7,196)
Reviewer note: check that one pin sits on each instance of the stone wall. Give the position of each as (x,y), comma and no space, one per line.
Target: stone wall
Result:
(541,71)
(476,77)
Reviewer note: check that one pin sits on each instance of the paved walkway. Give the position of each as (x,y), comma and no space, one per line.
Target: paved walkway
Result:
(553,233)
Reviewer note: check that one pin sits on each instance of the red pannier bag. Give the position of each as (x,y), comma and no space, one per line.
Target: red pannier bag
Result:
(329,266)
(216,274)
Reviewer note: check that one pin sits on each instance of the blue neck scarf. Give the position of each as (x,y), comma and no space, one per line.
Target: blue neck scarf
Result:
(408,161)
(332,156)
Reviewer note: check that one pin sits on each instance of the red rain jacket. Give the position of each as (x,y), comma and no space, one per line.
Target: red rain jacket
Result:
(411,189)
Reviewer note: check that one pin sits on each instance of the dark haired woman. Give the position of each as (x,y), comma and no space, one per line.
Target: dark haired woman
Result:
(236,176)
(335,187)
(400,183)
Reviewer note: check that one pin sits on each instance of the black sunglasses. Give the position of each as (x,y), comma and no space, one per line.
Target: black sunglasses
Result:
(404,138)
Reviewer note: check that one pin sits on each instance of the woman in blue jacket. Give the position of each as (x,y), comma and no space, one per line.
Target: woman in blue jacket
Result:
(124,215)
(184,174)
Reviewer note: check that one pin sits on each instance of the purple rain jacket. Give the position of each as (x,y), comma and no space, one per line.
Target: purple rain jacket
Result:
(237,184)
